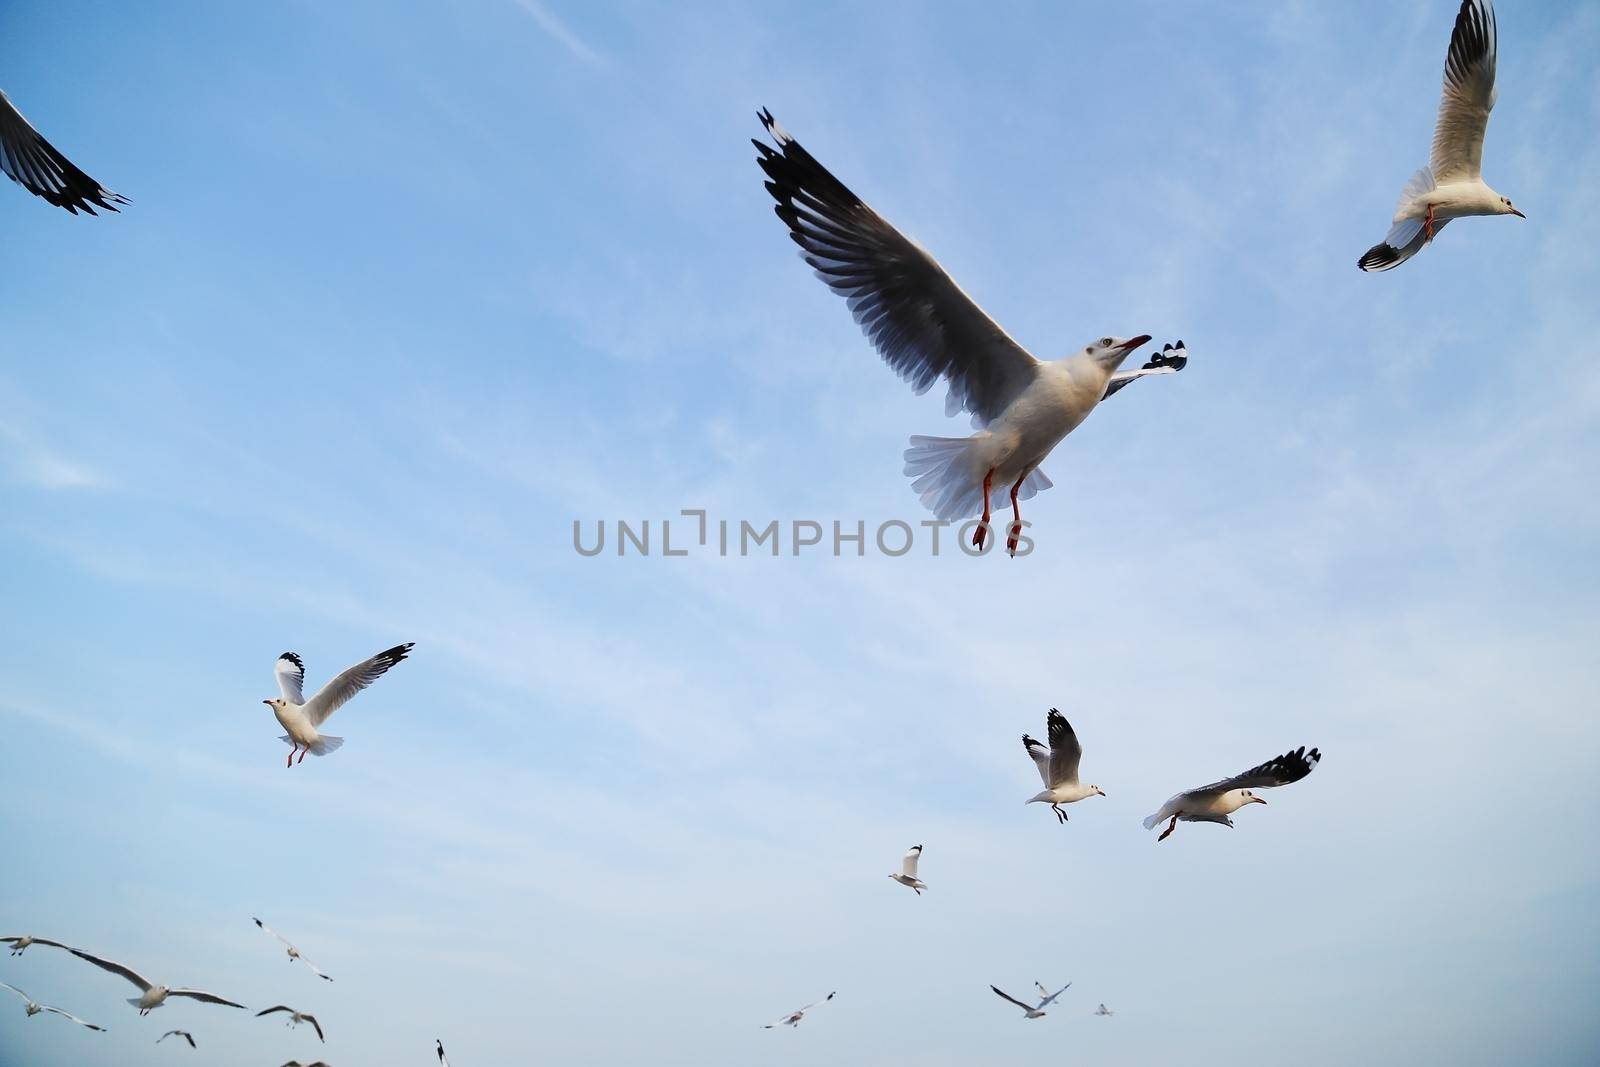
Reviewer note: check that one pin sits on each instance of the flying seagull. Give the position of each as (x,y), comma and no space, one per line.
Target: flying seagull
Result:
(1103,1010)
(926,328)
(908,870)
(301,717)
(186,1035)
(294,953)
(794,1017)
(1215,802)
(296,1018)
(440,1050)
(153,995)
(30,1008)
(1028,1010)
(1058,766)
(297,1063)
(1048,998)
(1451,186)
(19,944)
(33,163)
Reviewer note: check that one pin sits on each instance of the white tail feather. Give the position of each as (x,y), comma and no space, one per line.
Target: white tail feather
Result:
(326,744)
(945,475)
(1150,821)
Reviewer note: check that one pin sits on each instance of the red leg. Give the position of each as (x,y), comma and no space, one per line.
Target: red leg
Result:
(1171,826)
(302,758)
(983,528)
(290,761)
(1016,518)
(1427,225)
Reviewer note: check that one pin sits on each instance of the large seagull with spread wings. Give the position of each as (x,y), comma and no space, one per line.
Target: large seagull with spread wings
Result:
(926,328)
(1451,186)
(302,717)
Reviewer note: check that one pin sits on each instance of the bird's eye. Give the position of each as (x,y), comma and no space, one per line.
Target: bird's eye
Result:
(1105,342)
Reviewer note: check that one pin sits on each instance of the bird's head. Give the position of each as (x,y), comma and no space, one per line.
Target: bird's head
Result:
(1507,209)
(1097,790)
(1250,798)
(276,703)
(1109,352)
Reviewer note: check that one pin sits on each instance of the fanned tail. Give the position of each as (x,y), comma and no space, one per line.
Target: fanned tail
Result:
(945,475)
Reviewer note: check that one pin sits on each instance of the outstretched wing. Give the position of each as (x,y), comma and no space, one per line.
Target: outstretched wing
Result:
(338,692)
(275,1008)
(1170,360)
(18,992)
(1065,751)
(1041,757)
(115,968)
(908,862)
(1007,996)
(1280,770)
(918,319)
(312,1019)
(33,163)
(37,941)
(315,969)
(291,672)
(439,1048)
(209,998)
(74,1018)
(1468,96)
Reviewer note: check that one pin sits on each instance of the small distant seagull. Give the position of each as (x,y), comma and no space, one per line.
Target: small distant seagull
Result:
(186,1035)
(301,717)
(297,1063)
(908,870)
(794,1017)
(1451,186)
(1215,802)
(926,328)
(296,1018)
(33,163)
(30,1008)
(294,953)
(153,995)
(20,944)
(1103,1010)
(1048,998)
(1028,1010)
(1058,766)
(440,1050)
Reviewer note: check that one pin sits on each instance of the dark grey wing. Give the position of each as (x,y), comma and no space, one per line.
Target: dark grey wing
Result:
(439,1048)
(275,1008)
(1007,996)
(115,968)
(312,1019)
(209,998)
(918,319)
(1280,770)
(33,163)
(1170,360)
(1065,751)
(1468,95)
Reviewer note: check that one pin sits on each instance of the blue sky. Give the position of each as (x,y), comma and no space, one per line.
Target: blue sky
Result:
(402,293)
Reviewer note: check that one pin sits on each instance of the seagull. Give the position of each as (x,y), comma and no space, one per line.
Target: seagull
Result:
(20,944)
(440,1050)
(794,1017)
(296,1018)
(926,328)
(33,163)
(294,953)
(297,1063)
(1215,802)
(1029,1011)
(301,717)
(1103,1010)
(1058,766)
(908,870)
(1451,186)
(186,1035)
(31,1009)
(1048,998)
(153,995)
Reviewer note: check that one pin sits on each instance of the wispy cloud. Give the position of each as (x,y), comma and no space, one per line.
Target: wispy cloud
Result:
(552,25)
(24,460)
